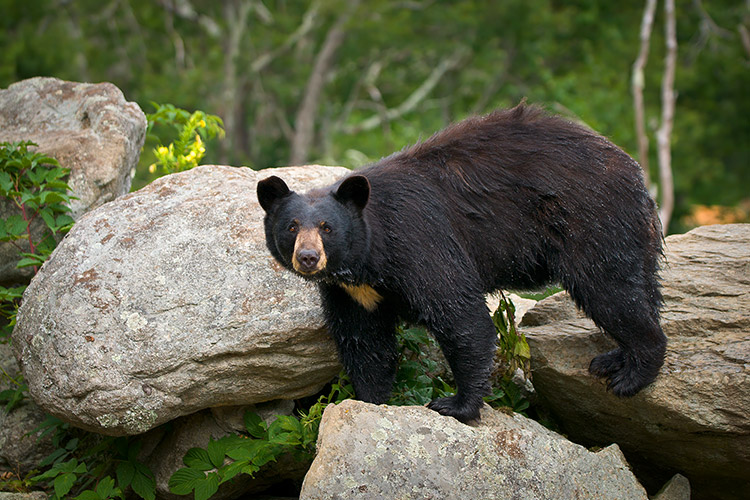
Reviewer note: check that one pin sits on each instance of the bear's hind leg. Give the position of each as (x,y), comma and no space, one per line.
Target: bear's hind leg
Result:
(628,313)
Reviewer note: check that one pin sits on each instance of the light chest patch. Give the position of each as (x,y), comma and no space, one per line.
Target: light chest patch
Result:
(365,295)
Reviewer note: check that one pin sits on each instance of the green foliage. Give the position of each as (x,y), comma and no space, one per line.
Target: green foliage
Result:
(223,459)
(9,300)
(192,130)
(82,465)
(12,397)
(508,395)
(34,184)
(417,382)
(513,350)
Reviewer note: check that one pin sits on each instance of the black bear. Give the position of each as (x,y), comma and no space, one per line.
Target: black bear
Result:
(513,199)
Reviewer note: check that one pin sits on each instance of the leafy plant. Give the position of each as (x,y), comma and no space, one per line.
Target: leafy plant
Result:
(508,395)
(192,129)
(417,382)
(513,350)
(223,459)
(82,465)
(13,396)
(34,184)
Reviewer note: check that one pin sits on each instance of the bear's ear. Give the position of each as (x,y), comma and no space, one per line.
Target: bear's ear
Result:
(270,190)
(354,189)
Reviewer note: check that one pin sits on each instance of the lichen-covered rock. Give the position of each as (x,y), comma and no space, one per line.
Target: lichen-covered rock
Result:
(89,128)
(375,452)
(166,301)
(694,418)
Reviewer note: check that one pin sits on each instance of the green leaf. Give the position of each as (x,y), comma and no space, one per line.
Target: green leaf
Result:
(15,225)
(28,262)
(13,397)
(6,181)
(89,495)
(106,487)
(230,471)
(63,483)
(50,197)
(49,218)
(205,489)
(57,184)
(216,452)
(255,425)
(198,458)
(125,473)
(144,483)
(183,481)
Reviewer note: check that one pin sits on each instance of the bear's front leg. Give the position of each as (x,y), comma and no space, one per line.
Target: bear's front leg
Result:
(366,342)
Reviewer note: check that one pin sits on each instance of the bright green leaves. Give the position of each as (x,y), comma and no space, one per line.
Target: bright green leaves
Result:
(63,476)
(206,469)
(34,186)
(223,459)
(81,467)
(193,129)
(34,183)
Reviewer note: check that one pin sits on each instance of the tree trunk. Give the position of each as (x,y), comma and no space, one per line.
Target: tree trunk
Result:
(304,122)
(637,85)
(663,135)
(235,15)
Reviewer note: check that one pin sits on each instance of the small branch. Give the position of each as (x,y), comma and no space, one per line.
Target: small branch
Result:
(308,22)
(185,10)
(411,102)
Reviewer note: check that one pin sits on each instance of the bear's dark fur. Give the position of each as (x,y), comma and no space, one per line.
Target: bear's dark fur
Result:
(513,199)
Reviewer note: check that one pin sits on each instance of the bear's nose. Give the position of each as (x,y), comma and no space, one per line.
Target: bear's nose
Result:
(308,259)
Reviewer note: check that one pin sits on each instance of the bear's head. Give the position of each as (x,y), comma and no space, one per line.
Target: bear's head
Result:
(318,235)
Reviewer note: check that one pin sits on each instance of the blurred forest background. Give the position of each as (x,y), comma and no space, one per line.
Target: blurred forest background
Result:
(343,82)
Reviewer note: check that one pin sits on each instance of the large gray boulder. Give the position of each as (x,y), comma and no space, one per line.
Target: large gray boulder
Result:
(375,452)
(694,418)
(89,128)
(166,301)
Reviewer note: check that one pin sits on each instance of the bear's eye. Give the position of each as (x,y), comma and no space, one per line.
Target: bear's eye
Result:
(325,227)
(292,227)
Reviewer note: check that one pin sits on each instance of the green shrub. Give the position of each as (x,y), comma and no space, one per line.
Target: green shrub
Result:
(192,129)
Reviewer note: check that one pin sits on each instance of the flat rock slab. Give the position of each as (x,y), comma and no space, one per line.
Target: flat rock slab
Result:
(166,301)
(376,452)
(89,128)
(694,418)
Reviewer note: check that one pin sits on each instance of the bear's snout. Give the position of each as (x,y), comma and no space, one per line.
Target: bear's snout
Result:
(309,256)
(308,259)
